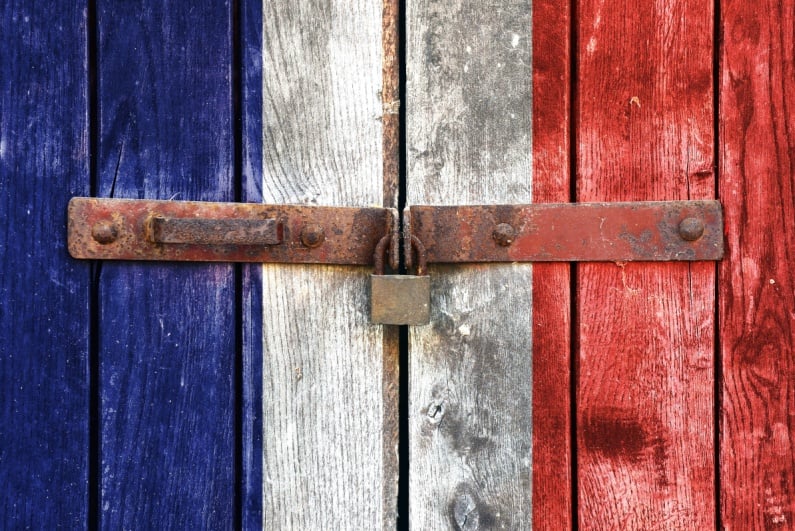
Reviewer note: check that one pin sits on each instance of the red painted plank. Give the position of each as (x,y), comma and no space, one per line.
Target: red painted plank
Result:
(44,294)
(757,278)
(645,361)
(167,332)
(552,496)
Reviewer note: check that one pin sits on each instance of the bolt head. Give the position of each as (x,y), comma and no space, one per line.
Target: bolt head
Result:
(504,234)
(691,229)
(312,235)
(104,232)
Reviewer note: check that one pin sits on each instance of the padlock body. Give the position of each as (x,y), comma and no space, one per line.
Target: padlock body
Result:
(400,299)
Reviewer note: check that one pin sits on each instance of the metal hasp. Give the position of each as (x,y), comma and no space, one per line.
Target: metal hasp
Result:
(123,229)
(129,229)
(571,232)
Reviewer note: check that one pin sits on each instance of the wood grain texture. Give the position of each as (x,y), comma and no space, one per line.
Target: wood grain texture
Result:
(646,331)
(251,281)
(757,323)
(329,456)
(44,294)
(552,481)
(392,149)
(390,98)
(469,103)
(167,332)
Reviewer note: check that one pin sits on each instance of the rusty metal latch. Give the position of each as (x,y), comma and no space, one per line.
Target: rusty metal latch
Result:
(120,229)
(129,229)
(571,232)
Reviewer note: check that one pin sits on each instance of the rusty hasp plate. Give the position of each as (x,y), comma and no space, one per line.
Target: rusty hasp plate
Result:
(130,229)
(611,232)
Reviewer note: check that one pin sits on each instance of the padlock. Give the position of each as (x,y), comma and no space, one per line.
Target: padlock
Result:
(400,299)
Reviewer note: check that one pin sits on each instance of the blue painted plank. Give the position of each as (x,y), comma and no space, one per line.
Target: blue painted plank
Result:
(167,332)
(251,492)
(44,294)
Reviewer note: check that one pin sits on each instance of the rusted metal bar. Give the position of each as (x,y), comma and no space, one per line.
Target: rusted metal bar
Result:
(214,231)
(123,229)
(119,229)
(642,231)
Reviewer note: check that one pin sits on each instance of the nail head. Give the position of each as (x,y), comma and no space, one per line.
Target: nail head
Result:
(104,232)
(504,234)
(691,229)
(312,235)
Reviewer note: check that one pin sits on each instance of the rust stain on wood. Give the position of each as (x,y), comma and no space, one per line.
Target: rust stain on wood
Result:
(391,422)
(390,97)
(621,435)
(615,436)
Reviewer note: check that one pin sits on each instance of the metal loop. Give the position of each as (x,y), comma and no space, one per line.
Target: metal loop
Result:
(422,256)
(408,256)
(378,259)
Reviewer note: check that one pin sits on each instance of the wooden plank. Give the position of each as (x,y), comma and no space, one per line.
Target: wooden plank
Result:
(646,331)
(551,333)
(328,381)
(251,281)
(167,332)
(392,356)
(469,103)
(44,294)
(757,187)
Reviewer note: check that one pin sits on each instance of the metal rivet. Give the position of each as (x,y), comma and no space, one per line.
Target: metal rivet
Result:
(104,232)
(504,234)
(691,229)
(312,235)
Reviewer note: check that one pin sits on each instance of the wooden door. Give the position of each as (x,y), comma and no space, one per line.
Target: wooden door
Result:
(544,396)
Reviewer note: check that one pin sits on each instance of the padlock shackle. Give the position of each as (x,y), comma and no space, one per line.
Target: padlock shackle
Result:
(415,247)
(378,258)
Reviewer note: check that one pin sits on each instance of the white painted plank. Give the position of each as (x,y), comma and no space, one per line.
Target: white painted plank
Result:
(469,99)
(328,434)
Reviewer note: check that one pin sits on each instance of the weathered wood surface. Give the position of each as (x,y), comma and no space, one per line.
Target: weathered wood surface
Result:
(328,399)
(44,294)
(551,333)
(251,279)
(469,131)
(166,332)
(757,278)
(645,422)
